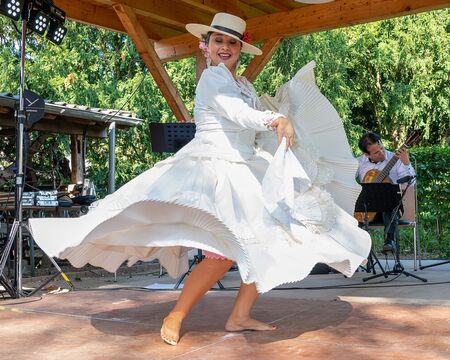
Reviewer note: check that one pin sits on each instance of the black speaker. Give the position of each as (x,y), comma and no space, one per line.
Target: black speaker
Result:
(171,137)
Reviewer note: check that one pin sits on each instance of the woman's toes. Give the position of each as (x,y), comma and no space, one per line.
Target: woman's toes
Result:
(170,330)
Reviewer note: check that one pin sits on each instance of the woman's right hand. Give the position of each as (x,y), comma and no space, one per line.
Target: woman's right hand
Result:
(285,129)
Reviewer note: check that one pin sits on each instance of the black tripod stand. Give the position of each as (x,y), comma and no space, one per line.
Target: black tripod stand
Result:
(432,265)
(196,260)
(15,237)
(384,197)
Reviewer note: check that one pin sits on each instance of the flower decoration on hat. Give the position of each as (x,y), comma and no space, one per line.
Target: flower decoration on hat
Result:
(246,37)
(204,48)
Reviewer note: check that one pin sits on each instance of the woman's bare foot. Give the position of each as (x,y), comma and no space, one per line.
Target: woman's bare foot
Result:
(248,324)
(170,330)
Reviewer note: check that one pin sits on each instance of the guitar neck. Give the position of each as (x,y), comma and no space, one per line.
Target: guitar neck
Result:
(413,138)
(385,172)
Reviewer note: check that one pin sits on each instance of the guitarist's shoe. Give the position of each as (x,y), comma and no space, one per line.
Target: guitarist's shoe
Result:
(388,247)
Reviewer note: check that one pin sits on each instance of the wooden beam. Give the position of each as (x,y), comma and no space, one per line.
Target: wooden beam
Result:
(248,10)
(61,125)
(177,47)
(309,19)
(172,13)
(210,6)
(283,5)
(235,7)
(90,14)
(337,14)
(152,61)
(77,159)
(258,62)
(105,17)
(266,6)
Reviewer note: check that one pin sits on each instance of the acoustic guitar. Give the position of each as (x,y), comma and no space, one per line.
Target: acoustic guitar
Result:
(377,176)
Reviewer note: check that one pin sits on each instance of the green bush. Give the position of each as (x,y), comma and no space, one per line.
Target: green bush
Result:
(433,192)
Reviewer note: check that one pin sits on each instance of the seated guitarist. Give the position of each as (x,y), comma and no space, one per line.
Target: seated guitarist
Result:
(375,156)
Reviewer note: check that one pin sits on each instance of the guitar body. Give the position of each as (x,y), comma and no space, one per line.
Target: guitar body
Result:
(372,174)
(370,177)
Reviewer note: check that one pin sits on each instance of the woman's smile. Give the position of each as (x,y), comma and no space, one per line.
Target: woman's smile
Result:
(224,49)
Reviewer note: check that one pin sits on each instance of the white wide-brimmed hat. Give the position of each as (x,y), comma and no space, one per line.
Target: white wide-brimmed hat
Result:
(225,24)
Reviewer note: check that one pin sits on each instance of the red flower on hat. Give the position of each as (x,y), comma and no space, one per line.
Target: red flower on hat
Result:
(246,37)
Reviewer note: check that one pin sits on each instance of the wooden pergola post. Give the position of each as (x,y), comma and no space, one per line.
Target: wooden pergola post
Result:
(152,61)
(258,62)
(77,158)
(112,158)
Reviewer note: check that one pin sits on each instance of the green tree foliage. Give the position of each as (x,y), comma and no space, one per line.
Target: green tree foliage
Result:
(96,68)
(388,76)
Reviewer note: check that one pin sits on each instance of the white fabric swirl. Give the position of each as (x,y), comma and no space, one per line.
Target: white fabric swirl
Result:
(230,191)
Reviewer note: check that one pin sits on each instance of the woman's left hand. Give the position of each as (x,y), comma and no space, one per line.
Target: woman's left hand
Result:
(284,129)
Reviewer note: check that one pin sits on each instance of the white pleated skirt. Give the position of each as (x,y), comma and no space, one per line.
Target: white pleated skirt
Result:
(277,214)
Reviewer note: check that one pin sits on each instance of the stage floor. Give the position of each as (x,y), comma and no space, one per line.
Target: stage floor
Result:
(410,322)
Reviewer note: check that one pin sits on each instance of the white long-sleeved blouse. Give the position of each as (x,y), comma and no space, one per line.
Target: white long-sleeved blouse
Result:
(227,115)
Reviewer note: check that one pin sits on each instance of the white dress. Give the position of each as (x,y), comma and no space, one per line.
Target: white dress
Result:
(234,192)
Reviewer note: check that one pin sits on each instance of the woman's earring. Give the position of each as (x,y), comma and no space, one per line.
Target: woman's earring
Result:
(238,64)
(208,61)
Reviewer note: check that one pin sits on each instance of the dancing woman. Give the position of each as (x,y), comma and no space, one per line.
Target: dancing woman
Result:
(232,191)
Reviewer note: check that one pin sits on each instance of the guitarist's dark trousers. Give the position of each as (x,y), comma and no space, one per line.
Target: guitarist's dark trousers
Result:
(389,231)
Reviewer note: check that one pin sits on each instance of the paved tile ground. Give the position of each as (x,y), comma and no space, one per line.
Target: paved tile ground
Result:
(403,321)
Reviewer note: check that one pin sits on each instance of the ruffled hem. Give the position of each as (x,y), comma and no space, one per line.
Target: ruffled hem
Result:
(139,232)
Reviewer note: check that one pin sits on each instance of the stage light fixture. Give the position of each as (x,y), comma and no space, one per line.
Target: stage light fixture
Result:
(38,21)
(56,32)
(11,8)
(39,16)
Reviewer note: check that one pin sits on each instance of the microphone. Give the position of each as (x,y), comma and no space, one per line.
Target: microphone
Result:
(404,179)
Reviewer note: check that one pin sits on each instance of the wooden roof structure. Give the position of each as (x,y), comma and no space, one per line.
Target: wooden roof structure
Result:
(157,27)
(63,118)
(78,121)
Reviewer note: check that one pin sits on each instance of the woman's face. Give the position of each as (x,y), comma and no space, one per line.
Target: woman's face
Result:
(224,49)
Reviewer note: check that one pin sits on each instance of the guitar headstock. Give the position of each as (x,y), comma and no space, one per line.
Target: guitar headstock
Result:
(414,137)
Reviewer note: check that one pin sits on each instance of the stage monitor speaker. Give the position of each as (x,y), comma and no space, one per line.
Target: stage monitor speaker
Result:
(170,137)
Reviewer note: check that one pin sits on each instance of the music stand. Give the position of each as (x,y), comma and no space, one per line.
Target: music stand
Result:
(383,197)
(369,201)
(171,137)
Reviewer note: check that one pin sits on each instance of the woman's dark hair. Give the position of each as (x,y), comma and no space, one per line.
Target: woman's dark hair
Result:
(368,138)
(207,37)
